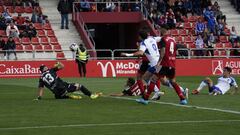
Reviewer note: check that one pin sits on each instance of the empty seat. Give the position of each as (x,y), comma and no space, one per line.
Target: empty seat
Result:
(47,26)
(57,48)
(192,19)
(187,25)
(53,41)
(223,53)
(10,9)
(17,41)
(228,45)
(219,45)
(3,33)
(183,32)
(223,39)
(47,48)
(28,48)
(216,53)
(188,40)
(179,39)
(38,26)
(38,48)
(28,9)
(19,9)
(26,41)
(44,40)
(50,33)
(41,33)
(19,48)
(60,56)
(174,32)
(35,40)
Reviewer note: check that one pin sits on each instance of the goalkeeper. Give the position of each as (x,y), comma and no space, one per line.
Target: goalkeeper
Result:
(57,86)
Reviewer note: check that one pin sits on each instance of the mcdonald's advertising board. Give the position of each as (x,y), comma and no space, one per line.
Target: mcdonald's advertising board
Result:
(117,68)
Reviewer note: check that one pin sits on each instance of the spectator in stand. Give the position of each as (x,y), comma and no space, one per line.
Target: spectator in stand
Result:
(35,13)
(236,50)
(188,7)
(110,6)
(178,17)
(233,36)
(135,7)
(2,22)
(85,6)
(64,9)
(20,21)
(171,21)
(12,30)
(220,28)
(200,26)
(211,23)
(208,13)
(219,15)
(7,15)
(2,44)
(29,32)
(161,6)
(199,46)
(211,44)
(10,47)
(18,3)
(197,7)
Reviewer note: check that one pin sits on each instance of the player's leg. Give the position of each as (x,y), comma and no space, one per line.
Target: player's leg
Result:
(139,81)
(157,92)
(206,82)
(79,68)
(78,87)
(84,69)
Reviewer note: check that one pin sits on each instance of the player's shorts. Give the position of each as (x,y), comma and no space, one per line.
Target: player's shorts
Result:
(62,88)
(143,67)
(169,72)
(214,89)
(151,70)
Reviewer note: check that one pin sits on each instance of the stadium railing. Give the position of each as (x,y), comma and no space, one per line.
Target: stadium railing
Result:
(115,54)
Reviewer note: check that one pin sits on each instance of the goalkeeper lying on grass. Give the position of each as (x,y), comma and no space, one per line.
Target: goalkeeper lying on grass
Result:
(59,88)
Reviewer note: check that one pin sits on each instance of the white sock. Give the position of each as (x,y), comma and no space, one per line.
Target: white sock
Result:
(202,85)
(156,89)
(170,86)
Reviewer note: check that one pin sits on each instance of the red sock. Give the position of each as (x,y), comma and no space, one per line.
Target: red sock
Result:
(140,84)
(149,90)
(158,84)
(178,90)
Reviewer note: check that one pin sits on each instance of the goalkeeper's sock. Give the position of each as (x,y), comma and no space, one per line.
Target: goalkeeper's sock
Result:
(85,91)
(201,86)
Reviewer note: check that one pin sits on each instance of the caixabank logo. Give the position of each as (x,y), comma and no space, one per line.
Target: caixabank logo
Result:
(218,66)
(118,68)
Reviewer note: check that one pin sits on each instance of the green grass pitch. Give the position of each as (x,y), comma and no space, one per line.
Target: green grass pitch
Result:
(20,115)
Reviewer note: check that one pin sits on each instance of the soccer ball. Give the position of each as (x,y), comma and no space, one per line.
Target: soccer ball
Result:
(73,47)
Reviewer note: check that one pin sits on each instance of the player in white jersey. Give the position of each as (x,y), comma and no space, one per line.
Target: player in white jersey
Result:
(224,83)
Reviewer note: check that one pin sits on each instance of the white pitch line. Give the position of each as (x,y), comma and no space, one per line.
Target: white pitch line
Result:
(119,124)
(186,106)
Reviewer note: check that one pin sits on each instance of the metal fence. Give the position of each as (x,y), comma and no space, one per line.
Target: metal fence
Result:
(108,54)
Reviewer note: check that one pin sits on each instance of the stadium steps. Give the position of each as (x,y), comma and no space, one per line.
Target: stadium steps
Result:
(65,37)
(233,17)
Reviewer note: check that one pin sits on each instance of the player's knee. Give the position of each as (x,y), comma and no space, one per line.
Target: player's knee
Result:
(208,80)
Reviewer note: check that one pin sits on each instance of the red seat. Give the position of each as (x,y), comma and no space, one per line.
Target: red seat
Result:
(3,33)
(17,41)
(187,25)
(1,9)
(60,56)
(57,48)
(50,33)
(223,39)
(47,26)
(188,40)
(228,45)
(44,40)
(174,32)
(19,48)
(38,48)
(216,53)
(35,40)
(53,40)
(192,19)
(219,45)
(19,9)
(38,26)
(47,48)
(227,31)
(191,45)
(222,53)
(179,39)
(183,32)
(41,33)
(28,9)
(28,48)
(26,41)
(10,9)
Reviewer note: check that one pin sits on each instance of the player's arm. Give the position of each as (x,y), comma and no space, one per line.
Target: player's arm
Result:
(236,89)
(162,53)
(138,53)
(58,66)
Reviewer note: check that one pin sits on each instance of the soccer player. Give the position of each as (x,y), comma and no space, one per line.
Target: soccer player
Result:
(132,89)
(165,68)
(57,86)
(224,83)
(148,47)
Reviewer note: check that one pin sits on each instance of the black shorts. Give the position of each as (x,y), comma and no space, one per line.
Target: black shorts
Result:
(143,67)
(169,72)
(62,88)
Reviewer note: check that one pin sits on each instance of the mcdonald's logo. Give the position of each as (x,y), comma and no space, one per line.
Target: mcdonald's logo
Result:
(105,68)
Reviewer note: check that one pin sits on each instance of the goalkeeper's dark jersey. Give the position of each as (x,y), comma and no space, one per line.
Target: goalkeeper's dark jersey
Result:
(50,79)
